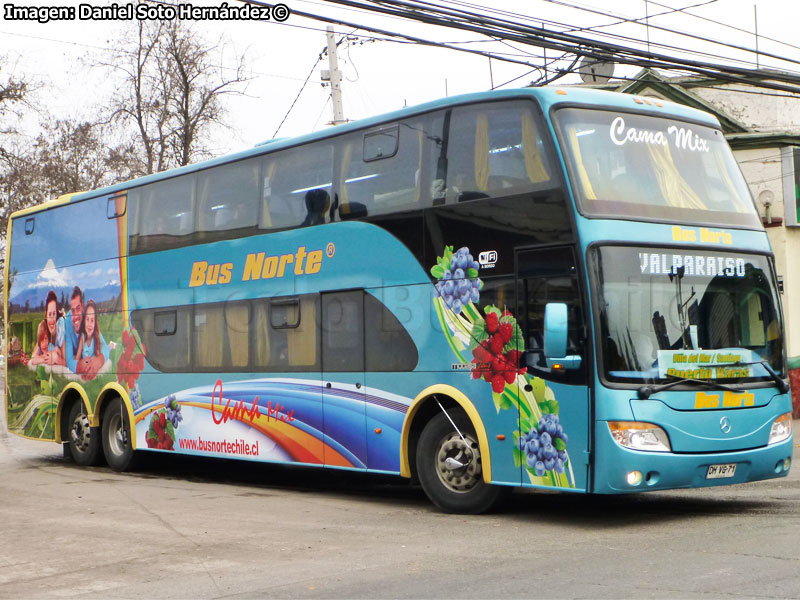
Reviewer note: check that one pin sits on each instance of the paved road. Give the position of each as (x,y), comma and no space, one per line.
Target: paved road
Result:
(184,528)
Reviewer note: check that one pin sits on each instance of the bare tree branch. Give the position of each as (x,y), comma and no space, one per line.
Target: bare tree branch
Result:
(170,92)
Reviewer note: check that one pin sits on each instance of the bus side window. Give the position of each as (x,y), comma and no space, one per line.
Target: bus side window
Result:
(227,199)
(495,150)
(166,333)
(389,347)
(162,214)
(221,337)
(343,332)
(284,334)
(288,176)
(381,170)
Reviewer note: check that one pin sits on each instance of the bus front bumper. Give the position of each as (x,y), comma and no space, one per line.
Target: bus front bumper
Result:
(621,470)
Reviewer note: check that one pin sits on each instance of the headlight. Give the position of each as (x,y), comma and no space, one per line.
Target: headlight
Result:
(781,429)
(639,436)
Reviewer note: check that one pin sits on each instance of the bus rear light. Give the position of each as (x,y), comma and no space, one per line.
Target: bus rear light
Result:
(781,429)
(639,436)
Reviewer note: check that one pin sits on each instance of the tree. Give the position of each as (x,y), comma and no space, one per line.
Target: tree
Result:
(13,98)
(72,156)
(170,96)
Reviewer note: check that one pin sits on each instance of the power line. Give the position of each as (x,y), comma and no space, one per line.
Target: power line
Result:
(670,30)
(726,25)
(429,13)
(296,98)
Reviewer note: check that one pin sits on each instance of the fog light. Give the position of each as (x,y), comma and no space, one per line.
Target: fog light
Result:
(786,464)
(634,477)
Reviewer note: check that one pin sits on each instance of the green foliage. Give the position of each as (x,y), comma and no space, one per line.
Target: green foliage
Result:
(479,334)
(548,407)
(443,263)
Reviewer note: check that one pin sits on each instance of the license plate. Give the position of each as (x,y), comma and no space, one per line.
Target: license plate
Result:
(721,471)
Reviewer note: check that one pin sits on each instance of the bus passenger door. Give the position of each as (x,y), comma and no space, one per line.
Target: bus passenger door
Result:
(343,397)
(549,275)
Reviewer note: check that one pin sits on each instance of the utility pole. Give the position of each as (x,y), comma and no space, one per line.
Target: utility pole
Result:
(335,79)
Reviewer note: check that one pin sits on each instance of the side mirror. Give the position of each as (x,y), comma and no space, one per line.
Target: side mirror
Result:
(556,325)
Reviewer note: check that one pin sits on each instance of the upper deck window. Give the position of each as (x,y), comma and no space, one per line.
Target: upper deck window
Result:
(632,165)
(495,149)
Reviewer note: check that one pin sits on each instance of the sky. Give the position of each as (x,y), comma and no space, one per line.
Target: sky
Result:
(379,76)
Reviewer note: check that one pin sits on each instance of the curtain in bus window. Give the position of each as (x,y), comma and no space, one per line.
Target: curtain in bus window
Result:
(302,339)
(237,320)
(585,180)
(344,199)
(534,164)
(482,152)
(209,337)
(265,220)
(418,174)
(462,136)
(673,186)
(262,346)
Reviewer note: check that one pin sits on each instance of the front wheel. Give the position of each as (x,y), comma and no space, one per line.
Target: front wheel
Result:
(117,436)
(449,467)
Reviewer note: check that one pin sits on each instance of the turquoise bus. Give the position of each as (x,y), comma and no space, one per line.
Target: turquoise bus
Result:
(555,288)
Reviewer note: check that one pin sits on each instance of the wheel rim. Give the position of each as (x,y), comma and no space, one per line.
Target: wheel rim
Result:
(81,434)
(459,479)
(117,437)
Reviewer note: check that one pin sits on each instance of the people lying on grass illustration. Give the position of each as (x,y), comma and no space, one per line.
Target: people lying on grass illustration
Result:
(51,330)
(92,352)
(41,354)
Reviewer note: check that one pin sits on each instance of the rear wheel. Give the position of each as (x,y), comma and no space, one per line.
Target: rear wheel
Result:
(117,436)
(449,467)
(83,440)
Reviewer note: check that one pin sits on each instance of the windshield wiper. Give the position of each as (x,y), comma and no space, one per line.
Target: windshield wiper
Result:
(783,387)
(646,391)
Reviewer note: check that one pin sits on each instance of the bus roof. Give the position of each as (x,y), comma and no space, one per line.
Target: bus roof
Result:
(549,97)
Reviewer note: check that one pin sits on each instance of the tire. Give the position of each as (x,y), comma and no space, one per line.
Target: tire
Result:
(83,441)
(117,436)
(454,490)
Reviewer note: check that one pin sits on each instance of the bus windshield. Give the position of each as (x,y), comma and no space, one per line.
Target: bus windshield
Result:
(653,168)
(669,313)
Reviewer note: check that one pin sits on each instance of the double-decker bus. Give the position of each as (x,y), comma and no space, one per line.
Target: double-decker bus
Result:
(550,288)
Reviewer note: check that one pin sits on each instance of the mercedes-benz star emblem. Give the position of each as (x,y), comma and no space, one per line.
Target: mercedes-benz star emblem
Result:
(725,425)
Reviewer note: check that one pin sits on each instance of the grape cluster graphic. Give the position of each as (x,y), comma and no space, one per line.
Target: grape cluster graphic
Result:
(545,447)
(458,283)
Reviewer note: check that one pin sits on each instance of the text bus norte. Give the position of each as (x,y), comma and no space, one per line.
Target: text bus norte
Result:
(543,288)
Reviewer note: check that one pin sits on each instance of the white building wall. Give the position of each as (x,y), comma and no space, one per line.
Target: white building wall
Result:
(766,111)
(768,179)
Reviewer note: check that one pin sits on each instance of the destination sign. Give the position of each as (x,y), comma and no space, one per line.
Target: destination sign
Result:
(694,265)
